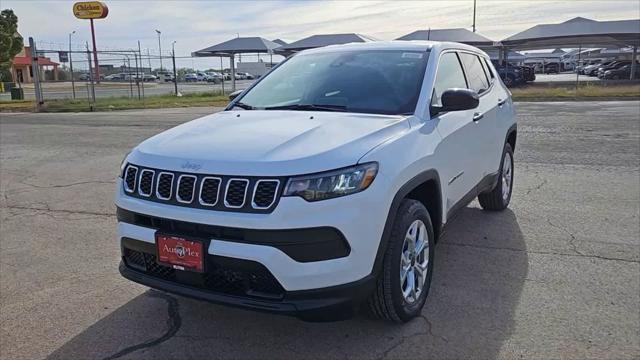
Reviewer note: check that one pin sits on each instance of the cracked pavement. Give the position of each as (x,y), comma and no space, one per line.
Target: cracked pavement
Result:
(555,276)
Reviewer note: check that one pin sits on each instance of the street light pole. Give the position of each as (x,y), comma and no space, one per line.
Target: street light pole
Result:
(474,15)
(73,83)
(159,48)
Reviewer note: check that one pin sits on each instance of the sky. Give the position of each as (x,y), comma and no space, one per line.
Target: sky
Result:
(198,24)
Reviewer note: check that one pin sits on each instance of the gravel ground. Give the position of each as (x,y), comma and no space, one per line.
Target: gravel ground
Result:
(556,276)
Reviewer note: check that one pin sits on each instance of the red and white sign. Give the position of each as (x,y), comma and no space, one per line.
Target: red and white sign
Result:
(180,253)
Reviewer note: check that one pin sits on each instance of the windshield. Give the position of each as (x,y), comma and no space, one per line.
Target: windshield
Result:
(370,81)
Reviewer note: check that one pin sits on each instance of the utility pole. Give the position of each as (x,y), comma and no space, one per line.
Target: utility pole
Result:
(159,48)
(91,94)
(35,69)
(173,59)
(95,53)
(474,15)
(142,67)
(73,83)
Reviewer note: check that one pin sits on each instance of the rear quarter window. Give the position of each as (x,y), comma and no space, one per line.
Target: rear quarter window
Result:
(475,73)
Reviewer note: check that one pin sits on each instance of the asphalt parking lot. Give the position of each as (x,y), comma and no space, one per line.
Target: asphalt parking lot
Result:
(556,276)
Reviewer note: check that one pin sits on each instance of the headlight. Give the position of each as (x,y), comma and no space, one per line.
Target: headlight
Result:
(332,184)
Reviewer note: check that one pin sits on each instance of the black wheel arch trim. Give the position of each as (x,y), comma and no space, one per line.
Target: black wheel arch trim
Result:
(428,175)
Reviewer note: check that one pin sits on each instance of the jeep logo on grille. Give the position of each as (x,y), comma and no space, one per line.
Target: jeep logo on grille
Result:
(191,166)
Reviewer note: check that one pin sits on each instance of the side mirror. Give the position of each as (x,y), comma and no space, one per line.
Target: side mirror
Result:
(235,94)
(456,100)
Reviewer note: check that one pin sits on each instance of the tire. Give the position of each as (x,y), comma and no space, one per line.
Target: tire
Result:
(388,301)
(498,198)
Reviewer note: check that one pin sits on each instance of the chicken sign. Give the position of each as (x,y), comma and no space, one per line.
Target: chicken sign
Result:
(92,10)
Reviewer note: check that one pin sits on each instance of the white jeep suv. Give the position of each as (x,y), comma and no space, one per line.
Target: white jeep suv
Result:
(324,186)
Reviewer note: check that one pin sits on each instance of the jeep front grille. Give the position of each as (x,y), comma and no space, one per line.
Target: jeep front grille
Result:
(210,191)
(236,193)
(264,193)
(130,178)
(146,182)
(186,187)
(215,192)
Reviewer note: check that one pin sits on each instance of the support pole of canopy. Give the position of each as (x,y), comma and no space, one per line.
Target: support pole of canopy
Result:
(233,73)
(576,67)
(634,57)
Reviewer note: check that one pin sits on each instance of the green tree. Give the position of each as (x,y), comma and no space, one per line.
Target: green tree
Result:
(10,42)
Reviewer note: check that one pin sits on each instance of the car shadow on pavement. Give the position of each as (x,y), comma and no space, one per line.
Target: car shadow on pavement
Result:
(480,269)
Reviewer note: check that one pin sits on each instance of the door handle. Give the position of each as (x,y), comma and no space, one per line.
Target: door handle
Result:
(477,117)
(501,102)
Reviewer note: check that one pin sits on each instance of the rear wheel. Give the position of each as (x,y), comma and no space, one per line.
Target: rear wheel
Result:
(499,198)
(403,285)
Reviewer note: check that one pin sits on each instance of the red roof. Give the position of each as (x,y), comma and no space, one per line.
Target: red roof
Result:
(24,60)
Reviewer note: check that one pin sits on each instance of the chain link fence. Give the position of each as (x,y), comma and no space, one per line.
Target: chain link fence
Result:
(73,74)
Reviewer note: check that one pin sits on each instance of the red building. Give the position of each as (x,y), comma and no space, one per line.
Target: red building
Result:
(21,66)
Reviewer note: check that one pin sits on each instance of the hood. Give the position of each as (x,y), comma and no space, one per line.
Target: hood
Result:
(273,143)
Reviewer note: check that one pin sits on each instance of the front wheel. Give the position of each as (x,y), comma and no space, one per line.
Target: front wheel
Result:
(403,285)
(499,198)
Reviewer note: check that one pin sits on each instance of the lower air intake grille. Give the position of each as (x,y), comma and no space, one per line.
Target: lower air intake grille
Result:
(223,275)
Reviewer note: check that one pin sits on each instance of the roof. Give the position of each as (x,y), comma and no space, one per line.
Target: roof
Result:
(280,42)
(25,60)
(238,45)
(324,40)
(512,55)
(460,35)
(578,31)
(393,45)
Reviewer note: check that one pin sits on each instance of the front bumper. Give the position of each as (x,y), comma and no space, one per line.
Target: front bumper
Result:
(326,304)
(360,218)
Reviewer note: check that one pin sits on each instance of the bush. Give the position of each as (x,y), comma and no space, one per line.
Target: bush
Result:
(5,75)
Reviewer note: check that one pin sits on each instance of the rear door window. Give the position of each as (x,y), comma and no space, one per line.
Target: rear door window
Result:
(475,73)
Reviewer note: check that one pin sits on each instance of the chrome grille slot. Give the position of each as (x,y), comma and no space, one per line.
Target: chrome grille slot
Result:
(146,182)
(236,193)
(130,178)
(186,188)
(210,191)
(264,193)
(164,186)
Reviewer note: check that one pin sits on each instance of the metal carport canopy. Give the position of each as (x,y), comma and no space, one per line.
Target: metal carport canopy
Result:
(317,41)
(579,32)
(239,45)
(460,35)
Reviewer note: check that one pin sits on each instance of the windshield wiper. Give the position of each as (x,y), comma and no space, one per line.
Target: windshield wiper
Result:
(312,107)
(243,106)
